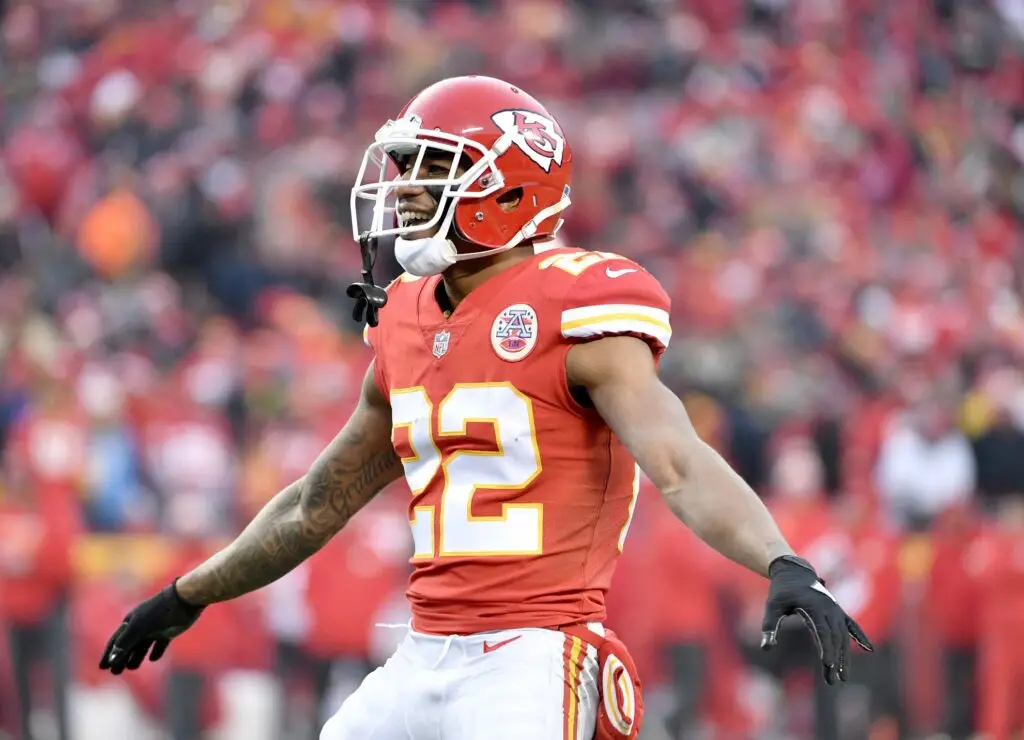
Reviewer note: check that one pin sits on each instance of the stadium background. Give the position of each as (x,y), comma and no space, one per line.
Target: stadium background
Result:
(831,191)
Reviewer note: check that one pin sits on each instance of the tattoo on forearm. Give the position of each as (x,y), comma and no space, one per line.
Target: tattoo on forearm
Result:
(337,487)
(301,518)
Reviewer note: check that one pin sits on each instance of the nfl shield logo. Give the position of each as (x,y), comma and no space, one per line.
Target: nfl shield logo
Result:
(441,342)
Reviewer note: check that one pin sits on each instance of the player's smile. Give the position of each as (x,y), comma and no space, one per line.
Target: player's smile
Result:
(411,212)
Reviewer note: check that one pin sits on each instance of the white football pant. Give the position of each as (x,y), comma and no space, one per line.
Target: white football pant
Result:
(524,684)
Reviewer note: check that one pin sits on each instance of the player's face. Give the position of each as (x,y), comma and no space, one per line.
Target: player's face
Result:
(418,202)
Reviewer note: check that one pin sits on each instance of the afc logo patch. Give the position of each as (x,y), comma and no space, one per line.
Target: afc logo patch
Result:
(441,340)
(514,332)
(537,135)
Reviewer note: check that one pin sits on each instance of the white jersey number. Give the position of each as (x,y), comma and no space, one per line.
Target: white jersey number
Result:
(511,467)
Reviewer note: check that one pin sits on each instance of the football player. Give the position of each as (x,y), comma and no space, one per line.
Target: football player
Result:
(517,389)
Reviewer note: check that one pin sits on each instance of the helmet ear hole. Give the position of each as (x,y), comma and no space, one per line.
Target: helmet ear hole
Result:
(510,200)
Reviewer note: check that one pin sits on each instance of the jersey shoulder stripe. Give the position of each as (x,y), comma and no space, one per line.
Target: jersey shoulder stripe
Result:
(590,321)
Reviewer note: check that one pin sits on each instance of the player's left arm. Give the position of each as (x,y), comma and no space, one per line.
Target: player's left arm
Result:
(620,376)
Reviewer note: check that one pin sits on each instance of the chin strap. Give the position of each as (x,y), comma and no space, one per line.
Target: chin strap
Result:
(370,298)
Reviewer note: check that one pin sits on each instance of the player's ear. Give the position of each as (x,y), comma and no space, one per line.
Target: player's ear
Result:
(510,201)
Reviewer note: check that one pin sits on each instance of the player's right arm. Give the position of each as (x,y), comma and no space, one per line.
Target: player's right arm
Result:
(296,523)
(617,319)
(300,520)
(705,493)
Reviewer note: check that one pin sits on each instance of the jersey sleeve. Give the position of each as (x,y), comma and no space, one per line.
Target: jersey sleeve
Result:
(614,298)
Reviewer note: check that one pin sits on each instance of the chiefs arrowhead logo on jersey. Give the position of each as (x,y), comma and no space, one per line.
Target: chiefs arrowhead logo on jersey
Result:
(514,332)
(538,136)
(441,340)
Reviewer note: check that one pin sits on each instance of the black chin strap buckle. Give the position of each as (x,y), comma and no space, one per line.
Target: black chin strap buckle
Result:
(369,297)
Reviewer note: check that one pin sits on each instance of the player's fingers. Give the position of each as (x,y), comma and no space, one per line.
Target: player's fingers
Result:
(119,661)
(134,634)
(820,633)
(840,644)
(138,655)
(828,672)
(858,635)
(121,651)
(819,645)
(159,648)
(111,651)
(773,616)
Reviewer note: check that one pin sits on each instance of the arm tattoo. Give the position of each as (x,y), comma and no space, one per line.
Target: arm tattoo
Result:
(303,517)
(337,486)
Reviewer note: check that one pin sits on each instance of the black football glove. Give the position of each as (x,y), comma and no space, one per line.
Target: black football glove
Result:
(152,624)
(796,589)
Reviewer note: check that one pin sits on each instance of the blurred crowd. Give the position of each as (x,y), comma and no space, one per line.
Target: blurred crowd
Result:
(830,190)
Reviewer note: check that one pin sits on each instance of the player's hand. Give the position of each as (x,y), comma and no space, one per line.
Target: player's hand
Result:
(796,589)
(152,624)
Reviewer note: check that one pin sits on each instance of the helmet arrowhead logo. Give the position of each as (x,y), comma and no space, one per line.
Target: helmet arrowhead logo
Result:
(535,134)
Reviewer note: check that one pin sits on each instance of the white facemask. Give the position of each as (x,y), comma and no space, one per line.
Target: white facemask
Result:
(425,257)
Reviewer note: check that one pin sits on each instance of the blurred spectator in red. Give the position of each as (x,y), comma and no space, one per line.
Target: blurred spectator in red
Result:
(99,602)
(800,506)
(43,157)
(37,528)
(8,689)
(952,599)
(188,449)
(998,560)
(191,706)
(48,447)
(868,584)
(684,612)
(303,679)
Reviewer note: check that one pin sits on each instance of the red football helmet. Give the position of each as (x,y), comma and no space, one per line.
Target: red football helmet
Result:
(509,140)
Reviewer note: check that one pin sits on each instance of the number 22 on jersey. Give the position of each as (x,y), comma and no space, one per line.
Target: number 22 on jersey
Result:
(516,462)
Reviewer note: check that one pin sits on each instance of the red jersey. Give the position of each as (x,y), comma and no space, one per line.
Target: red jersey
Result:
(50,451)
(521,497)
